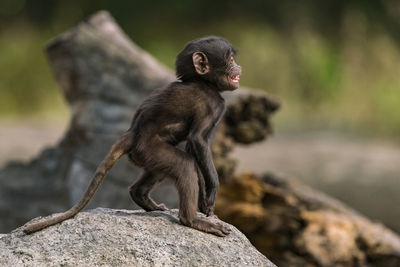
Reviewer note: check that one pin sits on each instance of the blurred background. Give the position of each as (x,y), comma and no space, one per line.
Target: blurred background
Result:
(333,64)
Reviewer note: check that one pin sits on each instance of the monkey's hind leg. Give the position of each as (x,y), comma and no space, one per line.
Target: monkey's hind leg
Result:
(140,191)
(169,161)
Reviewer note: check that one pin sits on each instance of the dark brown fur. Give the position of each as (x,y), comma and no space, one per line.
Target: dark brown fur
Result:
(186,110)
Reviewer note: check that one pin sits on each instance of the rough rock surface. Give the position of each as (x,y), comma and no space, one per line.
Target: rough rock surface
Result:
(106,237)
(294,225)
(104,76)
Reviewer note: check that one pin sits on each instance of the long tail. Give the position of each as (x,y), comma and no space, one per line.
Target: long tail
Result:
(120,148)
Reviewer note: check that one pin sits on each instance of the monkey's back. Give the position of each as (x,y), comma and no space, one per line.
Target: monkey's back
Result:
(167,113)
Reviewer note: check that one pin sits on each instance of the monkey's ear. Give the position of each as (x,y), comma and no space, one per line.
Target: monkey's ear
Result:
(200,62)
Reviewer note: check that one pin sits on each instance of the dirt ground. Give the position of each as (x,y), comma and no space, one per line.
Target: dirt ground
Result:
(23,140)
(365,175)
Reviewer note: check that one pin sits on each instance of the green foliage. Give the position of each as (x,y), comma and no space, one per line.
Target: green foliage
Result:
(386,102)
(319,68)
(26,85)
(333,64)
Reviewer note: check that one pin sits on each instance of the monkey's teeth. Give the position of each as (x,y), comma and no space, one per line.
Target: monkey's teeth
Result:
(236,79)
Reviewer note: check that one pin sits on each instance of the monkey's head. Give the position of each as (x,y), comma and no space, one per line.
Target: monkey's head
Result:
(211,60)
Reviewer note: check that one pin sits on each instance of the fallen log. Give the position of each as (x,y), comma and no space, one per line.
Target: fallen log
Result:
(294,225)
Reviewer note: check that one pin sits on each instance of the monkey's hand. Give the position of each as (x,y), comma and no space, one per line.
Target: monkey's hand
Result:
(203,206)
(207,209)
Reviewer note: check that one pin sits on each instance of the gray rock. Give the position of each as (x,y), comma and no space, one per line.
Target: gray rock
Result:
(109,237)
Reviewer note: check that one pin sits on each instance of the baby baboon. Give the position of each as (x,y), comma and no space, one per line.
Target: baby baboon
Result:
(185,110)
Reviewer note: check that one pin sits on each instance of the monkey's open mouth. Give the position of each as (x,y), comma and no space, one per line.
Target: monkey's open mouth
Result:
(235,79)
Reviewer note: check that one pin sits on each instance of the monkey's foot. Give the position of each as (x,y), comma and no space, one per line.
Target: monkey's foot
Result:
(148,204)
(153,207)
(208,227)
(161,207)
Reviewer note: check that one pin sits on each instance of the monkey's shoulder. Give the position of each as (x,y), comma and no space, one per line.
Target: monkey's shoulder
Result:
(182,101)
(194,94)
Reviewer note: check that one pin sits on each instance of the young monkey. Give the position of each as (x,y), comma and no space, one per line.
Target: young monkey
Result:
(185,110)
